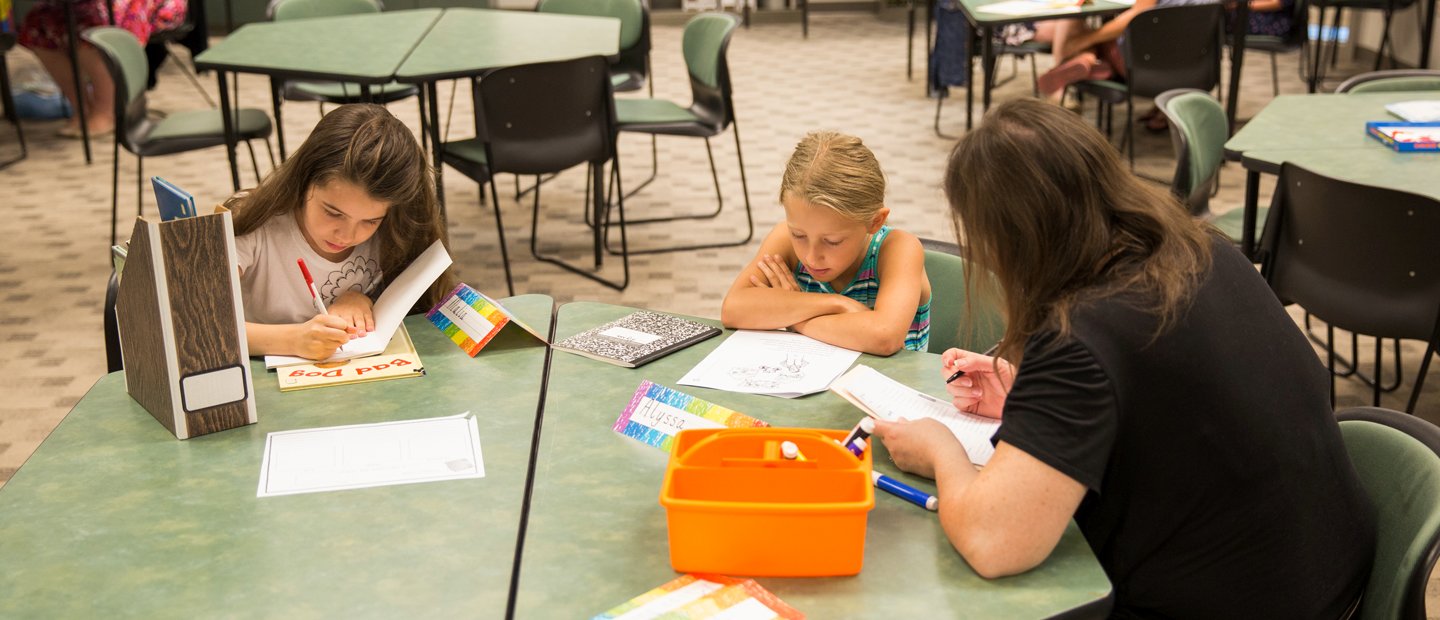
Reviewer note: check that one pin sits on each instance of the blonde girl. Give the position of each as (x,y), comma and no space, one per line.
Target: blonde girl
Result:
(820,271)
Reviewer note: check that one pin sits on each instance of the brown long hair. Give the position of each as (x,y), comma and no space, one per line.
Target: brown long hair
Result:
(1042,201)
(366,146)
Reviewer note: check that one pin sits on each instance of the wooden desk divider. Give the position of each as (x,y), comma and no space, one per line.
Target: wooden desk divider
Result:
(182,325)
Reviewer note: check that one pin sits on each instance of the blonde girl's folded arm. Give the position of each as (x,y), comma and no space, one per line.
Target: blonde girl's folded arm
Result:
(748,306)
(881,331)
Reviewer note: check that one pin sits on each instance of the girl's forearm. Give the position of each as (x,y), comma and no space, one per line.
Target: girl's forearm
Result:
(768,308)
(864,331)
(265,339)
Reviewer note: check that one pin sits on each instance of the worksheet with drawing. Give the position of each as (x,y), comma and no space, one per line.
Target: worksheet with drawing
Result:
(781,364)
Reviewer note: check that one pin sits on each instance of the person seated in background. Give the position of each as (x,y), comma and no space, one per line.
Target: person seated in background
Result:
(43,32)
(1150,386)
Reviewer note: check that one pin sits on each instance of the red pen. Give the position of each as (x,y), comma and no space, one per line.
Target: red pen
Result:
(310,284)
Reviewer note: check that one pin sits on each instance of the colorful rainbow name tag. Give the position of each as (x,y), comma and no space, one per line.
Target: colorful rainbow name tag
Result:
(657,413)
(698,597)
(470,319)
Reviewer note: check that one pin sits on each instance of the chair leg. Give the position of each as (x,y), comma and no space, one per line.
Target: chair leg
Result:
(500,232)
(1420,379)
(1379,355)
(271,153)
(597,187)
(1330,359)
(1130,130)
(719,206)
(139,187)
(1034,77)
(1274,75)
(114,189)
(654,168)
(1384,42)
(254,163)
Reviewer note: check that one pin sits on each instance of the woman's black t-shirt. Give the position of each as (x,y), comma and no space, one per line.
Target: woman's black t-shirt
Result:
(1218,484)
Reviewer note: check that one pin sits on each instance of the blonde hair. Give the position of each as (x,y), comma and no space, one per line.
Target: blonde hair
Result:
(837,171)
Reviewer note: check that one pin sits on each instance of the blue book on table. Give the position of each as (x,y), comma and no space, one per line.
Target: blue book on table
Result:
(174,202)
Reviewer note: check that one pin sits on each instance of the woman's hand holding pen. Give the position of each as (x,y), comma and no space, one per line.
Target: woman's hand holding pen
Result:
(358,312)
(982,387)
(318,337)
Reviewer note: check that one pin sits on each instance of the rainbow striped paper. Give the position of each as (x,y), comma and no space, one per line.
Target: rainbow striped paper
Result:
(657,413)
(468,318)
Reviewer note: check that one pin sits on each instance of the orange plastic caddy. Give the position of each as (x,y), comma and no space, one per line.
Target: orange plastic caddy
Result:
(736,506)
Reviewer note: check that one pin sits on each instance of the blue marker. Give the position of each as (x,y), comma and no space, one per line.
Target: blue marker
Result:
(905,491)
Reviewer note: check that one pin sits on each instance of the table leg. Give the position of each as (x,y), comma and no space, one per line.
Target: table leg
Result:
(910,45)
(970,81)
(432,98)
(1237,60)
(1252,207)
(1429,34)
(228,122)
(73,48)
(276,84)
(1319,45)
(987,53)
(929,28)
(365,94)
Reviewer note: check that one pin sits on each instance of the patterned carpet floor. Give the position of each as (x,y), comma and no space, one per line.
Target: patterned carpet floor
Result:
(850,75)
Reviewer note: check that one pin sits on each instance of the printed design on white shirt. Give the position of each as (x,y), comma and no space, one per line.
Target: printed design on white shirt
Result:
(359,274)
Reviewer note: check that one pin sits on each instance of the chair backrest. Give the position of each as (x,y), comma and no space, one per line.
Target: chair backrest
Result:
(547,117)
(947,307)
(1174,47)
(1198,130)
(705,43)
(301,9)
(634,27)
(1398,80)
(129,70)
(1362,258)
(1398,459)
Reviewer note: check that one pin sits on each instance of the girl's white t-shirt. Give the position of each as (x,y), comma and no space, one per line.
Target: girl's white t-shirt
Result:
(270,282)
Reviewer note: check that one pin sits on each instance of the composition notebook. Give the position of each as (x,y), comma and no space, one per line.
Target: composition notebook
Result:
(637,338)
(398,361)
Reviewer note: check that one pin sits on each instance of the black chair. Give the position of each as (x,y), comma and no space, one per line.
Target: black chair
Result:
(1164,48)
(1388,7)
(177,132)
(540,119)
(7,98)
(711,112)
(1361,258)
(1397,457)
(1394,80)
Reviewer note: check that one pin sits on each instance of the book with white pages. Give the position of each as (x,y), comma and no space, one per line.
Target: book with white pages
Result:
(390,309)
(890,400)
(1418,111)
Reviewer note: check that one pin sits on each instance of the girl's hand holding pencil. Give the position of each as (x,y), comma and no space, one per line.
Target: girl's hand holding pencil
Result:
(318,337)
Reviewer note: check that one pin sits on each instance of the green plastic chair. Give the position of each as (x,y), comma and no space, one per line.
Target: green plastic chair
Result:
(1399,80)
(1398,459)
(711,112)
(1198,130)
(946,271)
(336,92)
(631,70)
(177,132)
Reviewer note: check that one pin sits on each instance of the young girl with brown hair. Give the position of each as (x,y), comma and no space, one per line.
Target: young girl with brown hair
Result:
(357,202)
(819,272)
(1150,386)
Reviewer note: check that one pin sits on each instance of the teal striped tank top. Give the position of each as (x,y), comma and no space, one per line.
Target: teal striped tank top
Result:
(866,287)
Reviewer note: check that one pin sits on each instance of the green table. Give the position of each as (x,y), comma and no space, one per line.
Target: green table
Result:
(114,515)
(469,42)
(365,49)
(596,533)
(1326,134)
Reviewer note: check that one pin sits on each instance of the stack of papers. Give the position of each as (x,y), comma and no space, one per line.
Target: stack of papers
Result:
(888,399)
(1423,111)
(781,364)
(1031,7)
